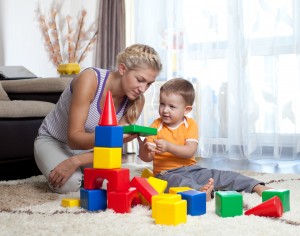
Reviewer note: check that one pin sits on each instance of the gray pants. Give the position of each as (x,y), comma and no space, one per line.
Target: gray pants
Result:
(195,177)
(48,153)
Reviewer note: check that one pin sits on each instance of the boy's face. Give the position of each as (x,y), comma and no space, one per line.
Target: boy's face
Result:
(172,109)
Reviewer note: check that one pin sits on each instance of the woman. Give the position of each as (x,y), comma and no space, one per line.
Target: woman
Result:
(65,141)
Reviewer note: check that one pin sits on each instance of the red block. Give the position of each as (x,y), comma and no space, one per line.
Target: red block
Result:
(108,114)
(118,179)
(272,208)
(121,202)
(143,186)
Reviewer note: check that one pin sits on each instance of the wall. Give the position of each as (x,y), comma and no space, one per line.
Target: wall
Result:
(21,41)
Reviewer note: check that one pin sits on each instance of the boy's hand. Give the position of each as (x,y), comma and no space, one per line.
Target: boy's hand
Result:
(161,145)
(147,147)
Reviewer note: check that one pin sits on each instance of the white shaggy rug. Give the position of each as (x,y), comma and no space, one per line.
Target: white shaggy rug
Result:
(27,207)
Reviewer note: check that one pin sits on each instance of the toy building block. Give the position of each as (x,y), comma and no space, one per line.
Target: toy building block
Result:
(171,212)
(93,200)
(228,203)
(121,202)
(175,190)
(143,186)
(146,173)
(109,136)
(118,179)
(163,196)
(141,130)
(107,158)
(158,184)
(271,207)
(70,202)
(108,114)
(283,194)
(196,202)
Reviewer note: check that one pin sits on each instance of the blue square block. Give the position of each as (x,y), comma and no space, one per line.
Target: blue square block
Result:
(108,136)
(93,200)
(196,202)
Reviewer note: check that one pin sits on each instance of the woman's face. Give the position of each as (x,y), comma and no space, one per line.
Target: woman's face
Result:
(136,82)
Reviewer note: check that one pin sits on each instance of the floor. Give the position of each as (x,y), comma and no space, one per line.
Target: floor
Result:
(267,165)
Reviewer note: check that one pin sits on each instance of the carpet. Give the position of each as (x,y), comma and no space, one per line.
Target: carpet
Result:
(27,207)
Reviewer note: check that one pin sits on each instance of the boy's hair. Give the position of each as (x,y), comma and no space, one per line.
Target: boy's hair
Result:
(138,56)
(181,87)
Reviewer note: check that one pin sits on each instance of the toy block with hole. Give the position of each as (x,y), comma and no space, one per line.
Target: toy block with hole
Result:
(107,158)
(118,179)
(140,130)
(228,203)
(146,173)
(93,200)
(70,202)
(175,190)
(170,212)
(163,196)
(196,202)
(121,202)
(283,194)
(108,114)
(271,208)
(158,184)
(143,186)
(109,136)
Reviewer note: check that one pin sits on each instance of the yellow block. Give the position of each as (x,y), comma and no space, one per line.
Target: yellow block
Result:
(163,196)
(70,202)
(158,184)
(171,212)
(146,173)
(179,189)
(107,158)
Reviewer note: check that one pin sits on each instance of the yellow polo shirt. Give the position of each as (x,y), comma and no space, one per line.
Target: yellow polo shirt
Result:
(187,131)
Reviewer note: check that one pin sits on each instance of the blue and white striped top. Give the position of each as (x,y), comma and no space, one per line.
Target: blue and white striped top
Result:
(56,122)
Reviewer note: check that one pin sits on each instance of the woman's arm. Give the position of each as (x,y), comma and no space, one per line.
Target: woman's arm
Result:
(84,88)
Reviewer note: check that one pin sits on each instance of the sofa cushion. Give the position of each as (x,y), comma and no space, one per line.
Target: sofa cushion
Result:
(41,85)
(3,94)
(17,109)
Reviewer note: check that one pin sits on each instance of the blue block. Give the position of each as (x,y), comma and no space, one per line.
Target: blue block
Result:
(93,200)
(108,136)
(196,202)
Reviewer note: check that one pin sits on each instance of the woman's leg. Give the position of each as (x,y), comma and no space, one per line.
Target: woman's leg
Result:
(48,153)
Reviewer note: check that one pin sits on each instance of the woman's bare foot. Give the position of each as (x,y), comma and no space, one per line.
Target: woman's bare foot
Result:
(208,188)
(259,188)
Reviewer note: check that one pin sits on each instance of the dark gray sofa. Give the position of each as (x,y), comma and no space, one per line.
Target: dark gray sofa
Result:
(23,106)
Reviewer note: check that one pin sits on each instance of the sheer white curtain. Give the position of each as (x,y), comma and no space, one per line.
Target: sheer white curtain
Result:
(243,58)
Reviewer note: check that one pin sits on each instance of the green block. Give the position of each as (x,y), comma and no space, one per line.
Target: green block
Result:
(283,194)
(228,203)
(141,130)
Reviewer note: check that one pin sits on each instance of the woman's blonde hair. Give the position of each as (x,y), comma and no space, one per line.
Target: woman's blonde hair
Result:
(138,56)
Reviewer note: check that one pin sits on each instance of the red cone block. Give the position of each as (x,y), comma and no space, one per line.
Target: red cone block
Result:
(272,208)
(108,116)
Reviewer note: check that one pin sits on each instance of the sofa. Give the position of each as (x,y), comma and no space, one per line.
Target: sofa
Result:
(23,106)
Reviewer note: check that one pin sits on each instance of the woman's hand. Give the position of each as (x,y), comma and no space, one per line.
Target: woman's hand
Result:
(62,172)
(129,137)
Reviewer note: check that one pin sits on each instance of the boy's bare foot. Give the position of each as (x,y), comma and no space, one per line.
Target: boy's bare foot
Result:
(208,188)
(259,188)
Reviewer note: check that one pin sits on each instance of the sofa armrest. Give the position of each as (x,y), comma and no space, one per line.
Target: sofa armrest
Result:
(37,85)
(24,109)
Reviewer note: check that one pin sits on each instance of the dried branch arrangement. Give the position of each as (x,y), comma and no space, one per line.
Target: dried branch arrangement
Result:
(76,42)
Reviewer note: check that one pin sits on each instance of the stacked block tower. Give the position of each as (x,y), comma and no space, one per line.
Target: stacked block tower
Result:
(107,168)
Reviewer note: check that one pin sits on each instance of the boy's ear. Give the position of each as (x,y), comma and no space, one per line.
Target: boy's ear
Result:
(188,109)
